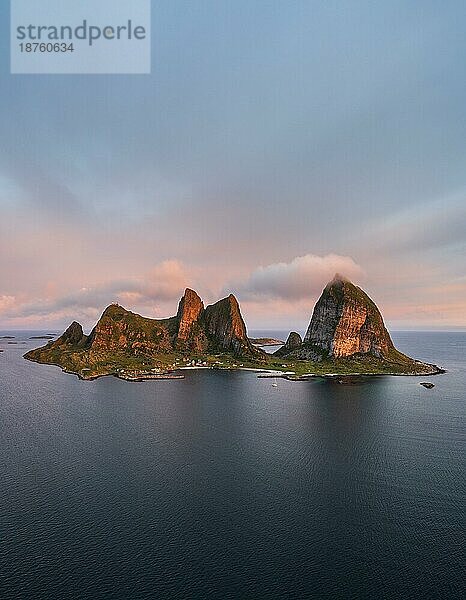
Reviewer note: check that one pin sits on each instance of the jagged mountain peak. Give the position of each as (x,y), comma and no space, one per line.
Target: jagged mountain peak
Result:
(194,329)
(293,343)
(190,310)
(190,302)
(74,331)
(224,323)
(72,336)
(189,293)
(115,310)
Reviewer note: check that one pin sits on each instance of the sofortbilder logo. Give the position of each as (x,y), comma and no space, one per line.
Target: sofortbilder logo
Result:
(80,36)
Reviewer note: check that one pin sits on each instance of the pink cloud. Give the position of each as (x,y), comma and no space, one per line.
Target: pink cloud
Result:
(300,279)
(166,281)
(152,293)
(7,303)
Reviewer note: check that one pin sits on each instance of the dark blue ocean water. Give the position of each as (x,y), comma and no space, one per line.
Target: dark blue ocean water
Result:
(222,486)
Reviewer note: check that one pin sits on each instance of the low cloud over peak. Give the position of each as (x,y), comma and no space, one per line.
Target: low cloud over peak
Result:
(300,279)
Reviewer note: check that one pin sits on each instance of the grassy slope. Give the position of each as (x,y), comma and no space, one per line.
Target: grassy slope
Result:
(90,365)
(397,363)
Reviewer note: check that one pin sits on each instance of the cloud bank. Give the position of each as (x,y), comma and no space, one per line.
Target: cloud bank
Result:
(300,279)
(162,285)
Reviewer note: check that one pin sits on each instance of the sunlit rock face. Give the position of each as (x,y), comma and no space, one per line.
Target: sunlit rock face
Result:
(189,310)
(346,321)
(190,335)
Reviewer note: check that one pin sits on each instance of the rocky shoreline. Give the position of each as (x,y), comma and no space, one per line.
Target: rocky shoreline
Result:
(264,342)
(338,376)
(261,373)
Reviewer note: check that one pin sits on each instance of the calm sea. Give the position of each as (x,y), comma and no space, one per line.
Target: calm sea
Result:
(223,486)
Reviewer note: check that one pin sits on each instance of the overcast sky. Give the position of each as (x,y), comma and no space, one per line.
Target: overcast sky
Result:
(274,144)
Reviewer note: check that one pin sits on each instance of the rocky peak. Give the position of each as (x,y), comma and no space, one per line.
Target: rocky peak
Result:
(346,321)
(189,334)
(189,301)
(190,309)
(224,325)
(110,326)
(114,311)
(293,342)
(120,330)
(73,336)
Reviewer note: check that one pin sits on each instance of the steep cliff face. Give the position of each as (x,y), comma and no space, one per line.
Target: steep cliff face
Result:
(225,328)
(346,321)
(293,343)
(190,335)
(189,311)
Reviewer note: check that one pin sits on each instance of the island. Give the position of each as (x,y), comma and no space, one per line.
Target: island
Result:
(346,336)
(263,342)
